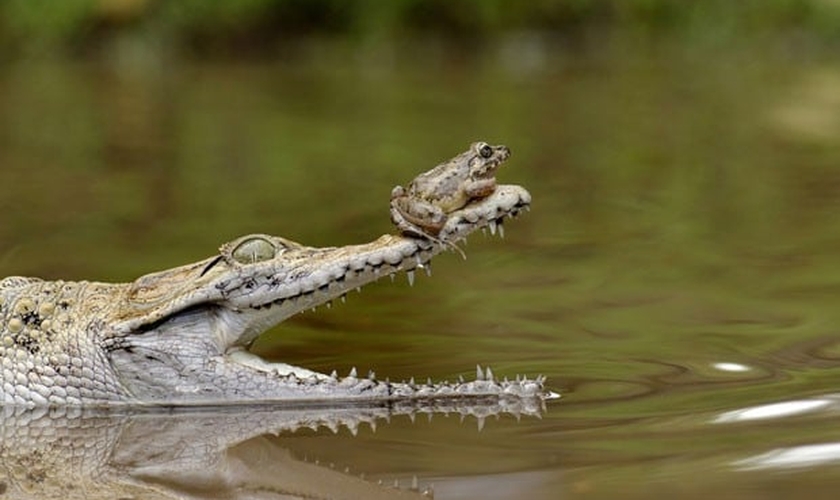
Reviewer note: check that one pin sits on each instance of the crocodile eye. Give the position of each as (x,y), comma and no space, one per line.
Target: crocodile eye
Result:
(485,151)
(253,250)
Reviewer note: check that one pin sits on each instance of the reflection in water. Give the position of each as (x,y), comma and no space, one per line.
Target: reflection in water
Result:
(796,456)
(730,367)
(779,410)
(209,452)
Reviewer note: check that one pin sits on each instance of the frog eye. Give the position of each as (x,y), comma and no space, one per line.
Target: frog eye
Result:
(253,250)
(485,151)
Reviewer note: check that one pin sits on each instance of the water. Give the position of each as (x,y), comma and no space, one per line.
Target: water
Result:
(677,279)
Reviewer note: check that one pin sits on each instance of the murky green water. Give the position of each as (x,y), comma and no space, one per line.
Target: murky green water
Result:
(677,280)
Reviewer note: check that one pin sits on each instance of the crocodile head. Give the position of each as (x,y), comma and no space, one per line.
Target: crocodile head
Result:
(202,317)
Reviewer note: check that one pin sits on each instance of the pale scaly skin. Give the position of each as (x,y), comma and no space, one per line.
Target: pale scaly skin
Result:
(180,336)
(423,208)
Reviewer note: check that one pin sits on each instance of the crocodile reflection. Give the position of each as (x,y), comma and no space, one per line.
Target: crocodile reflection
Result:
(94,454)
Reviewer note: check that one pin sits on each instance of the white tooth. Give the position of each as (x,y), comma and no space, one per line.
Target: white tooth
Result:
(428,268)
(313,308)
(479,374)
(344,298)
(329,304)
(392,277)
(353,373)
(359,289)
(492,227)
(484,231)
(410,275)
(501,230)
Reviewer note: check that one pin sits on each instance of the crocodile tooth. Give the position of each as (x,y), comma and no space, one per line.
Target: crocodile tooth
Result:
(480,423)
(492,226)
(329,304)
(334,375)
(371,375)
(484,231)
(501,228)
(428,268)
(410,275)
(460,379)
(343,298)
(353,373)
(489,375)
(359,289)
(392,277)
(411,382)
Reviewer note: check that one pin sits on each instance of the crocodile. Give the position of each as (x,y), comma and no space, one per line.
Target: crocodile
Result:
(180,337)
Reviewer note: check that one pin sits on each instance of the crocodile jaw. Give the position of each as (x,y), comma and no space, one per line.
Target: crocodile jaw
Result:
(224,305)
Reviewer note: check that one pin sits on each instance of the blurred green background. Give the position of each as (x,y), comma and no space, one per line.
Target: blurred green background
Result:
(260,27)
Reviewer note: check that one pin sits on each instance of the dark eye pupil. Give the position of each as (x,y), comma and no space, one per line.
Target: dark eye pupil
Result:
(486,151)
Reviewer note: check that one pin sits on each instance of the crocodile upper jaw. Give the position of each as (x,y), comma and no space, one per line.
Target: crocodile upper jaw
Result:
(249,298)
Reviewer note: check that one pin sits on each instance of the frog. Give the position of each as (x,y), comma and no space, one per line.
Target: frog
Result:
(421,210)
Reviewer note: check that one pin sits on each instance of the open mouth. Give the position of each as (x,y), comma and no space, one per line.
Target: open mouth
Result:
(193,325)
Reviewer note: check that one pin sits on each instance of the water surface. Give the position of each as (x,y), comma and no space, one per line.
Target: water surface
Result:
(677,279)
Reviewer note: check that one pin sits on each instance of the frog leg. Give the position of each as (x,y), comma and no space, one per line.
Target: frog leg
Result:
(419,219)
(479,188)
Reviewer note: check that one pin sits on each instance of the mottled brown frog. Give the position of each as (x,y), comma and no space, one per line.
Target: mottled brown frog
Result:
(422,209)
